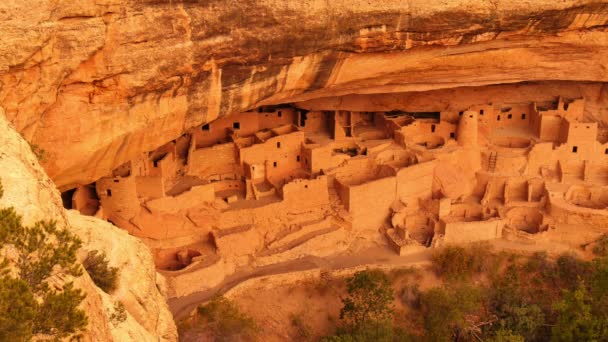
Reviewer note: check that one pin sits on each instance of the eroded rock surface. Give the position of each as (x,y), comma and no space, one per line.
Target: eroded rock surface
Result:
(96,82)
(33,195)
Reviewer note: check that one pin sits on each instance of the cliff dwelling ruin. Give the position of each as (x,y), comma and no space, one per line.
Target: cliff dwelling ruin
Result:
(279,182)
(201,148)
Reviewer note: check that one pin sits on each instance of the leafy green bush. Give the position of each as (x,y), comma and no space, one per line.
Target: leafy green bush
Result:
(502,335)
(452,311)
(226,322)
(458,263)
(97,266)
(372,331)
(369,299)
(576,321)
(367,310)
(570,269)
(40,253)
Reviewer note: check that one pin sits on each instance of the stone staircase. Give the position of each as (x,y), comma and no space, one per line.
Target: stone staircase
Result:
(298,235)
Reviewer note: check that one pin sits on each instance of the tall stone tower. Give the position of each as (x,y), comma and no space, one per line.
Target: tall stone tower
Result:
(467,129)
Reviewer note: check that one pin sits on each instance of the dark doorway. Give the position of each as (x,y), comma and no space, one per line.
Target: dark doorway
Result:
(66,198)
(303,117)
(425,115)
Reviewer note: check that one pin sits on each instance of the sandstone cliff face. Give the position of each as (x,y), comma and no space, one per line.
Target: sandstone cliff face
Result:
(33,195)
(95,82)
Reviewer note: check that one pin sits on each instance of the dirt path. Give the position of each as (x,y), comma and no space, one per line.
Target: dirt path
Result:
(182,306)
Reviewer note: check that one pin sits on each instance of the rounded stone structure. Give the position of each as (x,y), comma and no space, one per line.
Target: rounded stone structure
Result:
(466,135)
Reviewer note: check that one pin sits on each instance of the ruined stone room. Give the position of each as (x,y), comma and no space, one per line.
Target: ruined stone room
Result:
(281,170)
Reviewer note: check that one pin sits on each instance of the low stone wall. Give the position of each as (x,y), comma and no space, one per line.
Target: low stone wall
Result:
(462,232)
(181,284)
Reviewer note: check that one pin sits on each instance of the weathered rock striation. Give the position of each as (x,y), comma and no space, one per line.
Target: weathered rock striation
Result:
(33,195)
(96,82)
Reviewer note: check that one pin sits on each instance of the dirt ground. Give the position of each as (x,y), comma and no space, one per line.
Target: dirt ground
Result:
(309,309)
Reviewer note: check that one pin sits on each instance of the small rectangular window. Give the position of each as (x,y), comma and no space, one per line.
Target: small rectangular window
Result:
(278,144)
(205,127)
(510,116)
(606,151)
(236,125)
(432,128)
(481,112)
(297,158)
(109,193)
(460,113)
(274,164)
(574,149)
(498,118)
(280,113)
(452,135)
(523,116)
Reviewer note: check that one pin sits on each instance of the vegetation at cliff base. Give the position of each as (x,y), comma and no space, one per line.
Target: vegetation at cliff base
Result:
(482,295)
(221,320)
(35,298)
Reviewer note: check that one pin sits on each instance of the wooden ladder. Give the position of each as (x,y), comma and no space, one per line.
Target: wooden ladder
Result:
(492,161)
